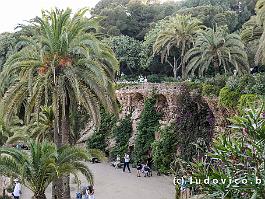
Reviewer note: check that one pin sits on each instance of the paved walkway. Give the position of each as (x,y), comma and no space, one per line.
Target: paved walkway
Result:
(111,183)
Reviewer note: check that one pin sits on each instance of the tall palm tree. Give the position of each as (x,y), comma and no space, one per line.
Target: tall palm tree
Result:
(42,164)
(217,48)
(260,10)
(62,64)
(179,33)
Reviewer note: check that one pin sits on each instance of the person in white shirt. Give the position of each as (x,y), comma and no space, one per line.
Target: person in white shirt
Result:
(126,162)
(17,190)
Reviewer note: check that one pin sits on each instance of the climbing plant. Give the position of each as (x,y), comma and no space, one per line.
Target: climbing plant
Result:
(189,134)
(100,137)
(164,149)
(148,125)
(121,134)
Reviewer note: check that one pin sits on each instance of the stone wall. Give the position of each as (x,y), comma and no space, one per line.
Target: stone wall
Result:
(169,98)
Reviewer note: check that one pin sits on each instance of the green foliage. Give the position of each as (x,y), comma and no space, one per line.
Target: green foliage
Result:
(210,90)
(99,138)
(164,149)
(248,84)
(127,51)
(259,87)
(239,155)
(7,46)
(147,126)
(247,100)
(228,98)
(64,72)
(121,133)
(216,49)
(148,60)
(42,164)
(212,16)
(179,33)
(131,18)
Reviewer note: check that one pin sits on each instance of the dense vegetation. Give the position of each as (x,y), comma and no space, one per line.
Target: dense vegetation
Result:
(58,71)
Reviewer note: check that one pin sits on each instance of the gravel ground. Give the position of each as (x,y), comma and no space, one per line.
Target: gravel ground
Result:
(111,183)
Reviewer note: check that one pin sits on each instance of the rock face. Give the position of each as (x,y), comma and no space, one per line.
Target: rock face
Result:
(169,101)
(132,101)
(169,98)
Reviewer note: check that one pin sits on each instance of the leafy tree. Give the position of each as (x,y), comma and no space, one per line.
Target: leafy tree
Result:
(212,16)
(179,33)
(43,164)
(217,48)
(148,59)
(127,51)
(102,4)
(148,125)
(132,18)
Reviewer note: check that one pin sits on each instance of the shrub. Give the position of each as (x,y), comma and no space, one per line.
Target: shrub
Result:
(121,133)
(228,98)
(259,87)
(210,90)
(242,84)
(247,100)
(236,155)
(5,197)
(193,85)
(154,78)
(218,80)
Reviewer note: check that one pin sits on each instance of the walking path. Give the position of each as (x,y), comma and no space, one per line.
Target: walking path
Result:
(111,183)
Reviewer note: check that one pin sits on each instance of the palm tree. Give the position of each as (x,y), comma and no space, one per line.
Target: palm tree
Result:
(62,64)
(179,33)
(217,48)
(250,30)
(39,128)
(43,164)
(260,10)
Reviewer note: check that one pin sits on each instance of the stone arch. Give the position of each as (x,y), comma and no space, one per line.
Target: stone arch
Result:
(137,100)
(162,105)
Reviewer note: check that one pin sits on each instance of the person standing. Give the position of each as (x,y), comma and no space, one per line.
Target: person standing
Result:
(126,162)
(139,168)
(17,190)
(90,192)
(118,162)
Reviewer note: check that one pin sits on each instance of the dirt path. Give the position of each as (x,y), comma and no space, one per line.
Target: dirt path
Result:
(111,183)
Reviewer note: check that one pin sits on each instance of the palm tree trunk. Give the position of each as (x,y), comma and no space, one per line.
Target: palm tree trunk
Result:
(39,195)
(61,187)
(57,185)
(66,140)
(182,63)
(175,68)
(216,66)
(183,69)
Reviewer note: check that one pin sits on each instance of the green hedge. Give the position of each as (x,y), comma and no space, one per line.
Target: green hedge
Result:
(229,98)
(247,100)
